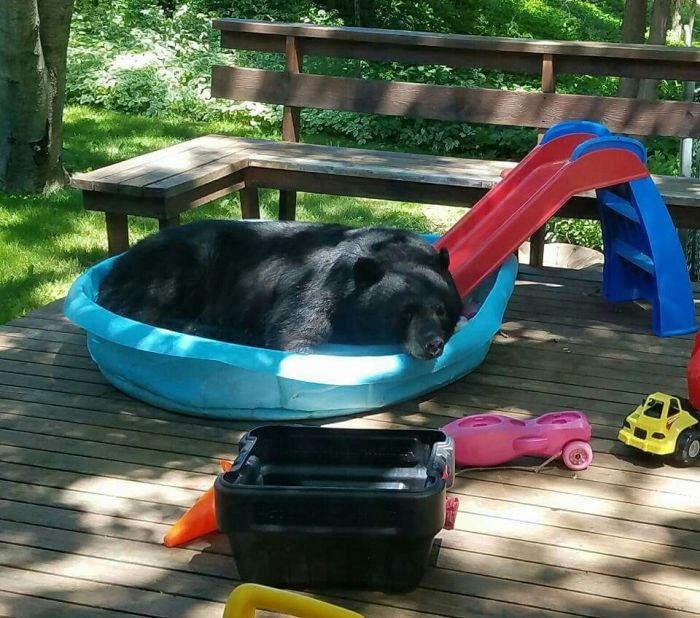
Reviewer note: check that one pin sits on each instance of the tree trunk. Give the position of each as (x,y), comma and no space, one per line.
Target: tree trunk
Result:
(357,12)
(675,33)
(657,36)
(33,48)
(691,19)
(633,27)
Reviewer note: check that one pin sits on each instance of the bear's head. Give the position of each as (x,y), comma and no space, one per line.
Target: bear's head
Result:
(413,303)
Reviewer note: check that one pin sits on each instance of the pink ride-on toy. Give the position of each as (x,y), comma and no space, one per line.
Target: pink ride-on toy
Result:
(494,439)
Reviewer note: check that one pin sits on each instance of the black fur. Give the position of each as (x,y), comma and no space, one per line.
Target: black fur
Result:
(289,285)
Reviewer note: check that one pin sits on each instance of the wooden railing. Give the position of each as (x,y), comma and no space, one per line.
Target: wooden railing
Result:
(480,105)
(518,55)
(295,90)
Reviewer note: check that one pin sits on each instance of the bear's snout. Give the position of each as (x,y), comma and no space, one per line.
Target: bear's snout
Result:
(434,348)
(426,336)
(426,347)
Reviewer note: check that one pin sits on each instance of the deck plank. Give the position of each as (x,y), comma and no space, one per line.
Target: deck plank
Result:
(90,479)
(12,604)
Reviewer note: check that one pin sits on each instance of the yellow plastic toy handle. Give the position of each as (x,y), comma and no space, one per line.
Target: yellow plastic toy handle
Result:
(247,598)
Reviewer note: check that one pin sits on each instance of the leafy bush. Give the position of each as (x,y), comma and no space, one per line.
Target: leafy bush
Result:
(576,232)
(138,91)
(133,55)
(154,57)
(543,19)
(663,157)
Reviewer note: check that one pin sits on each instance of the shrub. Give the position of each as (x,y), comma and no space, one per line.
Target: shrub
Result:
(576,232)
(138,91)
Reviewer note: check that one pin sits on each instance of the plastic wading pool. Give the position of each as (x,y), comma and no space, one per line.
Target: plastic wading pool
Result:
(203,377)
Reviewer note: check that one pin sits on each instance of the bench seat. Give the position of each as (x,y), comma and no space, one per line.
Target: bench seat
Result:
(167,182)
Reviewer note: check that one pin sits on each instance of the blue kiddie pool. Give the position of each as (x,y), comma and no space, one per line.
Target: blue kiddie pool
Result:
(203,377)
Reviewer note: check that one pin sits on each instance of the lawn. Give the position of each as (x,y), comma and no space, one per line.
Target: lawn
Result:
(46,241)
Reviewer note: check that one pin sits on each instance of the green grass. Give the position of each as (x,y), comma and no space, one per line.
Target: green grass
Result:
(47,240)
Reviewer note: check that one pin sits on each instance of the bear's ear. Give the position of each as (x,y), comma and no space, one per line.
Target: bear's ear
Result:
(443,258)
(367,271)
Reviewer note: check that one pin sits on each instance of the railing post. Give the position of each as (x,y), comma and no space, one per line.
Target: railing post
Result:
(548,85)
(291,126)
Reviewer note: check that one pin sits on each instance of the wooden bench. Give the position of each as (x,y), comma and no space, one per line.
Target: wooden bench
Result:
(168,182)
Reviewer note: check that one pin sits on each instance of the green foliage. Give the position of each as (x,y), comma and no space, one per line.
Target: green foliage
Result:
(138,91)
(576,232)
(419,135)
(544,19)
(663,156)
(154,57)
(305,11)
(132,55)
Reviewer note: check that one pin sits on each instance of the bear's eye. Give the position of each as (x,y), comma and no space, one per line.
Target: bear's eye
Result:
(439,310)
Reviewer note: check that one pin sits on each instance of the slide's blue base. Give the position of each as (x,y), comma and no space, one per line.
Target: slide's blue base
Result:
(643,254)
(203,377)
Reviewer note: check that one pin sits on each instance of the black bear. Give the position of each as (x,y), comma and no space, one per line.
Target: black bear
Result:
(289,286)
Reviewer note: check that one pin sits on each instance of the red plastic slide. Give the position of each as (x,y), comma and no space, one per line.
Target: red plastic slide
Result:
(525,199)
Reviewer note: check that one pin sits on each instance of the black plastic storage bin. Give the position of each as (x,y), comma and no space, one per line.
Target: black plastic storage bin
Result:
(314,507)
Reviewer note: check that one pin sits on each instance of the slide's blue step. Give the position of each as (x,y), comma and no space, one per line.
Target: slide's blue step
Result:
(619,204)
(633,255)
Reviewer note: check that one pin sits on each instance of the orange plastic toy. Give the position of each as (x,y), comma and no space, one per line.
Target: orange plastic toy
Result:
(199,520)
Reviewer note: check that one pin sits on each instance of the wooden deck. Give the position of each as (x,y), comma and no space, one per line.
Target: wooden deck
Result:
(90,480)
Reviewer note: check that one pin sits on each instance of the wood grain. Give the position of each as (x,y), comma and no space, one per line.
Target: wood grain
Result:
(478,105)
(369,173)
(570,60)
(210,150)
(592,49)
(168,222)
(134,167)
(250,204)
(170,181)
(117,232)
(291,121)
(291,125)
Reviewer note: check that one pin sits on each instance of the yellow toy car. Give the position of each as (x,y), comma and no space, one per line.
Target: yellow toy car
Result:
(664,425)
